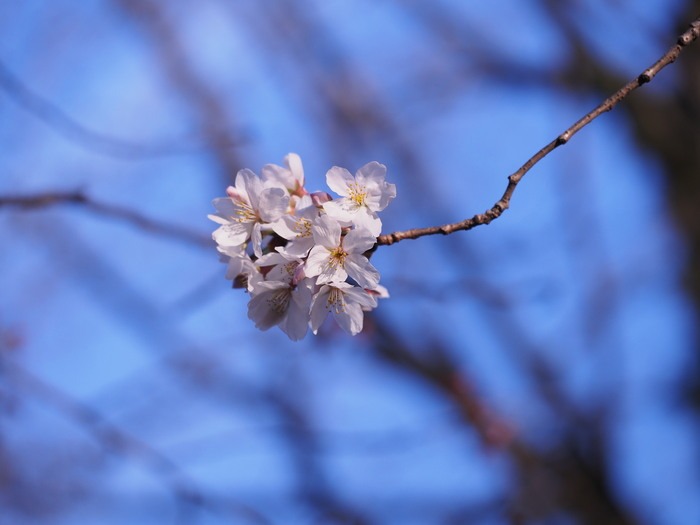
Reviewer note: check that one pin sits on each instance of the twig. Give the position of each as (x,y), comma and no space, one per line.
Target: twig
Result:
(501,205)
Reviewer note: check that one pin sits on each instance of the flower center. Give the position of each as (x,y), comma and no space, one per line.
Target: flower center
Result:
(245,212)
(303,228)
(336,301)
(279,301)
(357,193)
(337,257)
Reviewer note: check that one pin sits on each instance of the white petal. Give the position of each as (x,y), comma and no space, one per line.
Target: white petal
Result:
(319,309)
(338,179)
(361,297)
(256,240)
(326,232)
(371,173)
(261,314)
(232,233)
(367,220)
(272,173)
(286,227)
(360,269)
(295,166)
(298,248)
(388,193)
(249,185)
(273,203)
(341,209)
(358,240)
(239,265)
(317,259)
(225,207)
(350,319)
(217,219)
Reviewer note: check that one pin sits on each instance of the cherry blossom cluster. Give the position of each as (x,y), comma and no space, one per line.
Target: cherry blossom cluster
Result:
(300,255)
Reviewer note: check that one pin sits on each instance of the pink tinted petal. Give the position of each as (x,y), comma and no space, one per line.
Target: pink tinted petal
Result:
(320,197)
(338,179)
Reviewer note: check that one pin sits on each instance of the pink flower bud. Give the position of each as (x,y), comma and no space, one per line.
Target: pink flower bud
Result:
(319,197)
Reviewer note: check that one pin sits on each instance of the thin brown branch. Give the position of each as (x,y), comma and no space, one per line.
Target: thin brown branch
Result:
(43,200)
(608,104)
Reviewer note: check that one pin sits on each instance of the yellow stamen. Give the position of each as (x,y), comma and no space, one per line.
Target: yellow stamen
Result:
(337,257)
(357,193)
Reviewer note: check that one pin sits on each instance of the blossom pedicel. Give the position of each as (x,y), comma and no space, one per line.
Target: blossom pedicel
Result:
(300,254)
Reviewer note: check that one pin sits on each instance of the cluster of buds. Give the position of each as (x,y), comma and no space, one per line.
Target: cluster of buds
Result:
(300,255)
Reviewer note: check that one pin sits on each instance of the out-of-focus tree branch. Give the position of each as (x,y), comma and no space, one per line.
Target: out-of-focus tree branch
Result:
(78,198)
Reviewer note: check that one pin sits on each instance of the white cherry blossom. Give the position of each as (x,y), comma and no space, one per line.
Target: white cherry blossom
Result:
(240,267)
(284,304)
(335,257)
(345,302)
(250,204)
(363,195)
(312,262)
(291,175)
(297,229)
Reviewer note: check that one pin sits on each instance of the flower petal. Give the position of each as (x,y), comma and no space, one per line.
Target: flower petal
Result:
(338,179)
(232,233)
(326,232)
(273,203)
(249,186)
(260,312)
(358,240)
(360,269)
(350,318)
(296,167)
(341,209)
(319,309)
(371,173)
